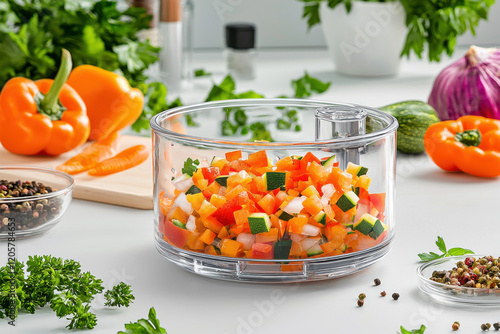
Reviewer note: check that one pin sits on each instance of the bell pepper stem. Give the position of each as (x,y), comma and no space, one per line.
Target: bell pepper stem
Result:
(469,137)
(50,103)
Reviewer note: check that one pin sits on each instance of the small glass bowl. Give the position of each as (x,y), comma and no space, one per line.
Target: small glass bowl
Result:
(26,216)
(451,294)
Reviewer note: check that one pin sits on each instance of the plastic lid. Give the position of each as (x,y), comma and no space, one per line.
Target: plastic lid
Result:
(240,36)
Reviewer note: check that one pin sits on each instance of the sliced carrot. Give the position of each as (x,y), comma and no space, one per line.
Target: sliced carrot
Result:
(126,159)
(92,155)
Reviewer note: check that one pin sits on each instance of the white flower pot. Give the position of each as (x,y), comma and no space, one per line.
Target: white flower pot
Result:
(368,40)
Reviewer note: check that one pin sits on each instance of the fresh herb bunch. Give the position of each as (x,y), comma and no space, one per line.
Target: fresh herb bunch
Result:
(426,257)
(120,295)
(235,119)
(436,23)
(96,32)
(57,282)
(145,326)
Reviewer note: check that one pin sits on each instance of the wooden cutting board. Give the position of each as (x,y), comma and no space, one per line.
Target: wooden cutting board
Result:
(132,188)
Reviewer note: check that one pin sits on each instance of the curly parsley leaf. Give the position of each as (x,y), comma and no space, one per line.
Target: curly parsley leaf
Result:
(145,326)
(421,330)
(190,166)
(119,295)
(426,257)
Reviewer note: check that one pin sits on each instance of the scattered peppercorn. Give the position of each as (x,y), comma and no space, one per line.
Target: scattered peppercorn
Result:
(26,214)
(496,325)
(376,281)
(383,293)
(395,296)
(361,296)
(488,325)
(471,273)
(484,327)
(360,302)
(455,326)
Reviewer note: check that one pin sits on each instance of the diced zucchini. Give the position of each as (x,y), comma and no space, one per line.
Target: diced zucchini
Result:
(343,247)
(193,190)
(377,229)
(328,162)
(347,201)
(284,215)
(275,180)
(314,250)
(357,170)
(222,180)
(366,223)
(214,160)
(296,157)
(282,249)
(356,191)
(259,222)
(178,223)
(348,225)
(321,217)
(217,243)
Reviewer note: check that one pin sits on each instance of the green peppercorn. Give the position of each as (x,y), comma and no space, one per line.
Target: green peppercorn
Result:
(361,296)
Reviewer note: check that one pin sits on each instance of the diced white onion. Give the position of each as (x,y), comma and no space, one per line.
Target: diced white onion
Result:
(328,190)
(243,174)
(182,203)
(191,224)
(182,183)
(308,243)
(203,164)
(310,230)
(295,205)
(246,239)
(297,237)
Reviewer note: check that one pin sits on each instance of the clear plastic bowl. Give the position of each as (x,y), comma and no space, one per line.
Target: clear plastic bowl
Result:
(27,216)
(451,294)
(357,134)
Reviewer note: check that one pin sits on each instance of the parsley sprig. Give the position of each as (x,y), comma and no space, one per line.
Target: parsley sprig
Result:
(426,257)
(145,326)
(421,330)
(59,283)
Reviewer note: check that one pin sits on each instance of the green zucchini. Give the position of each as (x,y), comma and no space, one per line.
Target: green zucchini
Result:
(414,117)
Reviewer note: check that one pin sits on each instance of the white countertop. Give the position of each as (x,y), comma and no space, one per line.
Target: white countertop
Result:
(116,243)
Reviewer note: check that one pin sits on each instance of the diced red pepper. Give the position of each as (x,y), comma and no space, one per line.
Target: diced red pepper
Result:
(210,173)
(378,201)
(225,215)
(309,157)
(176,235)
(262,251)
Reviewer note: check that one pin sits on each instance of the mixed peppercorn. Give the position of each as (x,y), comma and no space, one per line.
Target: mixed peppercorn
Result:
(30,213)
(472,273)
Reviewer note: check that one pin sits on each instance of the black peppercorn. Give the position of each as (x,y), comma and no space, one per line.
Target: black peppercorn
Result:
(395,296)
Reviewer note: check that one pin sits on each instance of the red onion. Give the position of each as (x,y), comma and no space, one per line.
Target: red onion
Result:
(470,86)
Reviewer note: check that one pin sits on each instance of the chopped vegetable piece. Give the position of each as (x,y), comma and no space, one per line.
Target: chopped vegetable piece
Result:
(259,222)
(222,180)
(274,180)
(347,201)
(126,159)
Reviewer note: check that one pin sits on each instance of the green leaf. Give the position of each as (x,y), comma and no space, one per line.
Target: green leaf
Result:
(190,166)
(426,257)
(459,251)
(441,245)
(421,330)
(145,326)
(119,295)
(306,85)
(201,73)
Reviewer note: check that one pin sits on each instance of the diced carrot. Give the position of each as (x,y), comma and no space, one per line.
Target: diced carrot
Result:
(284,164)
(330,246)
(296,249)
(271,236)
(180,215)
(217,200)
(206,209)
(124,160)
(212,224)
(238,191)
(233,155)
(197,175)
(92,155)
(293,193)
(240,178)
(210,250)
(221,164)
(262,170)
(165,203)
(196,200)
(313,205)
(231,248)
(214,188)
(330,214)
(267,203)
(241,217)
(317,172)
(223,233)
(258,159)
(296,224)
(261,184)
(207,237)
(308,158)
(194,241)
(335,232)
(341,181)
(238,165)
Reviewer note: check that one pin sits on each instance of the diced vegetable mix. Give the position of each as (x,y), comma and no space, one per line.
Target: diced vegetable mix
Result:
(299,207)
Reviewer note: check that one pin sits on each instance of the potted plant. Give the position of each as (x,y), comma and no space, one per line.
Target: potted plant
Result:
(368,37)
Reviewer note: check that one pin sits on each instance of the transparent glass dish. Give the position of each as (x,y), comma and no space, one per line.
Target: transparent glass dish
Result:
(27,216)
(451,294)
(284,129)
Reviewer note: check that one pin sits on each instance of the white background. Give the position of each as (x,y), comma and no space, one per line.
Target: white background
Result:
(279,24)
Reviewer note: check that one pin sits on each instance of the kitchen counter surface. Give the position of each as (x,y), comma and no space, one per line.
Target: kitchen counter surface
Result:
(116,243)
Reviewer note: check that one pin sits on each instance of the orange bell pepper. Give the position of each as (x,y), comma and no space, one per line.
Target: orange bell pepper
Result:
(42,117)
(470,144)
(111,103)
